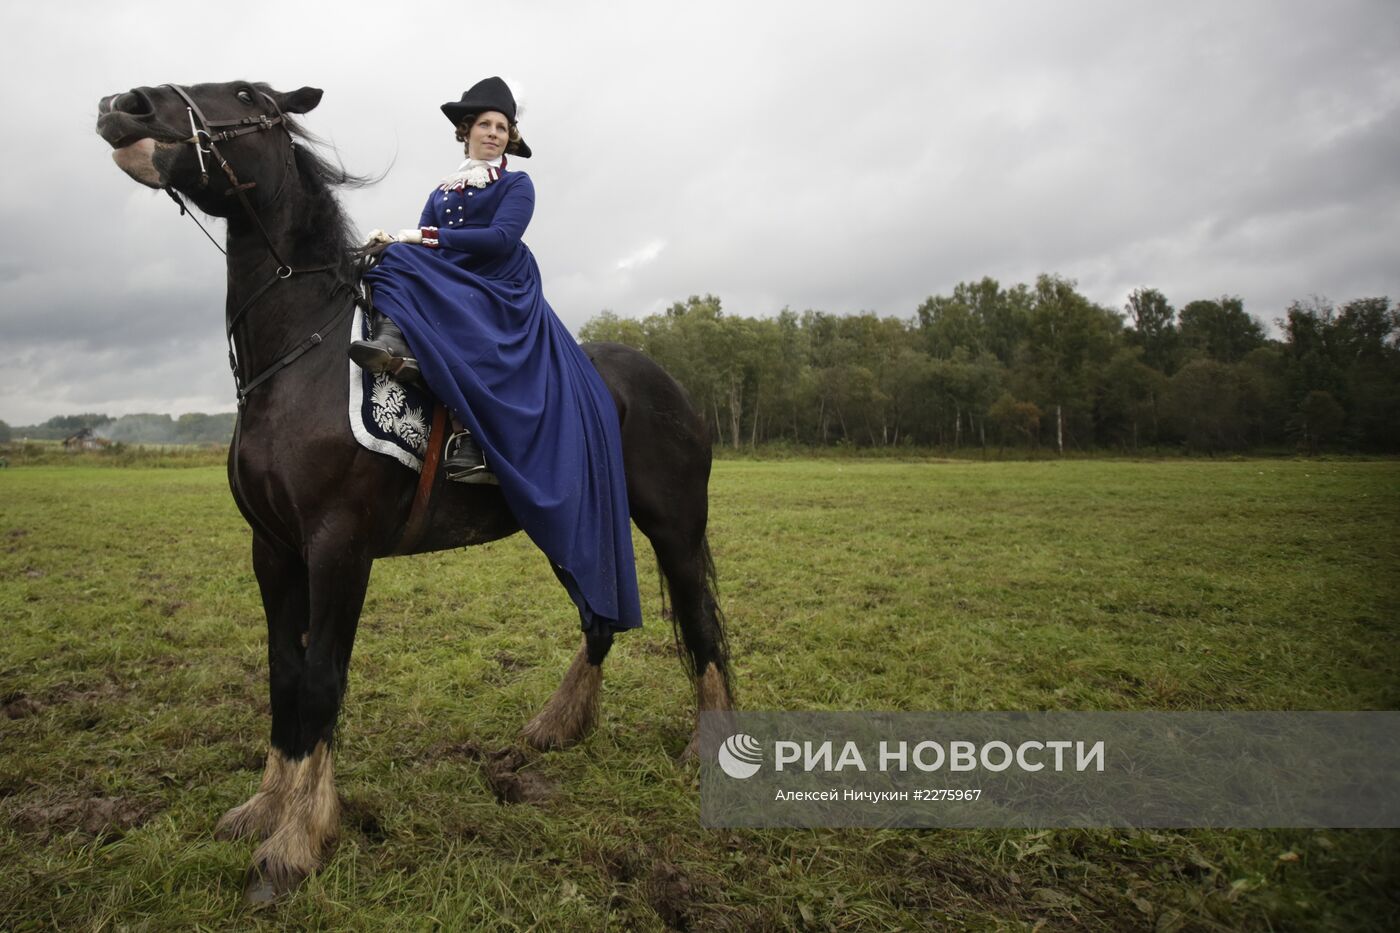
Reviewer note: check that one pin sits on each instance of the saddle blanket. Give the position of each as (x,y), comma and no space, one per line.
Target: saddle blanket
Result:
(386,416)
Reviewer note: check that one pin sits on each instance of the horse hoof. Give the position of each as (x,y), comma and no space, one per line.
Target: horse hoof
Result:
(261,891)
(545,732)
(691,753)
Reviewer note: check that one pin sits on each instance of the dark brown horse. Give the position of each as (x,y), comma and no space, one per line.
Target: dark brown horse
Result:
(321,507)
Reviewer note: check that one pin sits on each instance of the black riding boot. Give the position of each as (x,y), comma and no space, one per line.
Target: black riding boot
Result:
(465,463)
(385,350)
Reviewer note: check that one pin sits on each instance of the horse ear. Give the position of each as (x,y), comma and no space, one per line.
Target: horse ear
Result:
(299,101)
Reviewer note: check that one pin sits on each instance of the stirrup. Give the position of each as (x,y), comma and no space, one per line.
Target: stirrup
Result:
(379,359)
(465,462)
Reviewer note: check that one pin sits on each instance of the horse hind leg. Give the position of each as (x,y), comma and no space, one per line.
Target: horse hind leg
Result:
(701,642)
(572,711)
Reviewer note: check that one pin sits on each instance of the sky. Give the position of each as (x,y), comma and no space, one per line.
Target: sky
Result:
(814,155)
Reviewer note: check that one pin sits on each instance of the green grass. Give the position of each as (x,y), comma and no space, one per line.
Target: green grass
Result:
(132,656)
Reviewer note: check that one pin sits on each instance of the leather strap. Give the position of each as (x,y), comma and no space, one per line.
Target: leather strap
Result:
(427,482)
(291,355)
(206,142)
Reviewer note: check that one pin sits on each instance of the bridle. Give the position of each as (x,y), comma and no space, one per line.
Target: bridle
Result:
(205,136)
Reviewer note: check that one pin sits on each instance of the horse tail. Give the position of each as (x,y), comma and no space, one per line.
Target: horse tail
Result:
(721,625)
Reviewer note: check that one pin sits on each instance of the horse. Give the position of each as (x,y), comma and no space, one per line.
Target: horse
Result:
(321,507)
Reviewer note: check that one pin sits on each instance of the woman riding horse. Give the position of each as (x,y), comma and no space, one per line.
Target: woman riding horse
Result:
(462,305)
(322,508)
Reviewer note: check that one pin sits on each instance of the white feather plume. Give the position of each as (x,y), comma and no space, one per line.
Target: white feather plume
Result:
(519,95)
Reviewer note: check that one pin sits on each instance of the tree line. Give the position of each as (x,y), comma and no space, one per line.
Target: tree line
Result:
(145,428)
(1028,366)
(1036,366)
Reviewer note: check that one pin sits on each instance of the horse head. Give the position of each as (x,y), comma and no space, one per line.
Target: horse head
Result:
(204,140)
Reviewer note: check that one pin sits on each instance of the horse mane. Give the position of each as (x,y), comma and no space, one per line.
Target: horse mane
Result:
(321,224)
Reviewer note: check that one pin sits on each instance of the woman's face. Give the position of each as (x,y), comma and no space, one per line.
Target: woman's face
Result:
(488,136)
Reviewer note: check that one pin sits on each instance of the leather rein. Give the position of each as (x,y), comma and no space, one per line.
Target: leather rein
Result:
(205,136)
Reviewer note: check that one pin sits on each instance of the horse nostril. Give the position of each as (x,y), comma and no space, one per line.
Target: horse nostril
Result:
(132,102)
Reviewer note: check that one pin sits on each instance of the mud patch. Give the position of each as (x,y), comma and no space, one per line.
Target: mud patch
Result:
(169,662)
(363,816)
(677,898)
(621,865)
(86,720)
(97,693)
(663,649)
(85,703)
(510,784)
(19,706)
(510,662)
(109,817)
(166,608)
(447,751)
(956,887)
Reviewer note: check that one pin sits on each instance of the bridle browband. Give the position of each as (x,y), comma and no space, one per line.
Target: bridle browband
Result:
(205,136)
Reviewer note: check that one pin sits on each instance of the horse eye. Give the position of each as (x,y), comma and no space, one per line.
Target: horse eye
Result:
(245,96)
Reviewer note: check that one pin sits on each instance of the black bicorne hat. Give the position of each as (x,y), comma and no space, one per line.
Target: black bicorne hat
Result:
(484,95)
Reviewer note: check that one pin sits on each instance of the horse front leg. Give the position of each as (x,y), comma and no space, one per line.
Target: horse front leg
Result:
(308,820)
(572,711)
(282,579)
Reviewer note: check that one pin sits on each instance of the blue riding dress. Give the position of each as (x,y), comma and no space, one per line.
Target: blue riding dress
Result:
(493,351)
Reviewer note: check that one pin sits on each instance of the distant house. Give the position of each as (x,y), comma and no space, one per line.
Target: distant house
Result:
(85,440)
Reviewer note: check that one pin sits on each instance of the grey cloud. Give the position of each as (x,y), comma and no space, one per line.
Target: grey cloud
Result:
(786,154)
(164,377)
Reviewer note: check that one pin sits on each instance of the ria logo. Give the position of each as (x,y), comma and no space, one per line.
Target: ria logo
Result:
(740,756)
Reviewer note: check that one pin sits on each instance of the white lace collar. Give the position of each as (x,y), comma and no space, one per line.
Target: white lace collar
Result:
(476,173)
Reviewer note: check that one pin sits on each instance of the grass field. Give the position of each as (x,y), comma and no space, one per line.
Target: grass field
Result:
(132,673)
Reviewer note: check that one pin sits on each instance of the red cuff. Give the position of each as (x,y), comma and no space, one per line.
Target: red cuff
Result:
(430,236)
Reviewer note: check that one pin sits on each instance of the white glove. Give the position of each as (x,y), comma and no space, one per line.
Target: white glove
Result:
(411,236)
(377,236)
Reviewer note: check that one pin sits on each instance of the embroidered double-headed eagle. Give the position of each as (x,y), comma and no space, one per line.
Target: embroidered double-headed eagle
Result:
(391,412)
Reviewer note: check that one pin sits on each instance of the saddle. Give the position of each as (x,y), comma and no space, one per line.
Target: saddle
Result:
(399,420)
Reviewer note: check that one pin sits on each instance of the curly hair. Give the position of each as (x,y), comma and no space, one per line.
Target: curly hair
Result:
(465,124)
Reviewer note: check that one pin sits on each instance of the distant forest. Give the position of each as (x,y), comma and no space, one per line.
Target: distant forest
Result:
(1031,366)
(1036,366)
(191,428)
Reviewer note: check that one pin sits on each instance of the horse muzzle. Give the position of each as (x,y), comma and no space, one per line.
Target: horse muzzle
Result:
(126,122)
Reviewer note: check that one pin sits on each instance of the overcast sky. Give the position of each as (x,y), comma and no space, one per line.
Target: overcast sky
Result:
(833,156)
